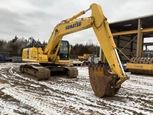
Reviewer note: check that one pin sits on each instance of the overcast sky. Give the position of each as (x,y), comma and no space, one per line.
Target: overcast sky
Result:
(37,18)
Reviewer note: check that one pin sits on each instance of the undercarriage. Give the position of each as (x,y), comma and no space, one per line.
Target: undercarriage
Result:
(44,72)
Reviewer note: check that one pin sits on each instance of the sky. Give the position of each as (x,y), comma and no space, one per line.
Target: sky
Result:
(37,18)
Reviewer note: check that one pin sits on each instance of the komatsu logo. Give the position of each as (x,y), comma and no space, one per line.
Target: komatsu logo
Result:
(77,24)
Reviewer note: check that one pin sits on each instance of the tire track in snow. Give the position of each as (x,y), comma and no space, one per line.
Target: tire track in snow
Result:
(9,105)
(32,100)
(66,91)
(81,99)
(88,100)
(70,90)
(33,81)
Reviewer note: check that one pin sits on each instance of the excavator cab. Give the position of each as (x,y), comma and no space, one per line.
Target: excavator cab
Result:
(64,50)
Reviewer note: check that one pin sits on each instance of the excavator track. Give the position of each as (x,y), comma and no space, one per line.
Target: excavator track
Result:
(102,82)
(72,72)
(40,72)
(140,65)
(35,71)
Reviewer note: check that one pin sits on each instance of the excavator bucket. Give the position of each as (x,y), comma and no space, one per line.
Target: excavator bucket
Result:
(103,83)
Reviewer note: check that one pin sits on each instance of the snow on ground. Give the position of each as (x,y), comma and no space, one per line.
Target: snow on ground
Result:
(64,96)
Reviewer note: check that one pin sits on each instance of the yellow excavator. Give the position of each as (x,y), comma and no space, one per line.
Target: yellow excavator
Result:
(54,57)
(84,57)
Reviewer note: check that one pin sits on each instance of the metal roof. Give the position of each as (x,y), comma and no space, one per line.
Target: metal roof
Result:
(132,24)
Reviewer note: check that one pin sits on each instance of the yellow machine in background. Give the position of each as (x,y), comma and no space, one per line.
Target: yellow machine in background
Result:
(140,65)
(54,58)
(84,57)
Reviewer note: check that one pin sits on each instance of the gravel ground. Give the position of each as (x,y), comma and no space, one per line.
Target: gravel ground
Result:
(20,95)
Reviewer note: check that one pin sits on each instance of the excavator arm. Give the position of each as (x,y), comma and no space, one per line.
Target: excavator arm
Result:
(105,38)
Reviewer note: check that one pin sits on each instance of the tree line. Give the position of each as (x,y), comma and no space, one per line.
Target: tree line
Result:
(14,47)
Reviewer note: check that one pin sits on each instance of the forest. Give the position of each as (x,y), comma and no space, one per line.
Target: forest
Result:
(14,47)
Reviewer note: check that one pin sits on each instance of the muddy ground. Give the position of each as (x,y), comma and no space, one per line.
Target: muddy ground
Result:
(20,95)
